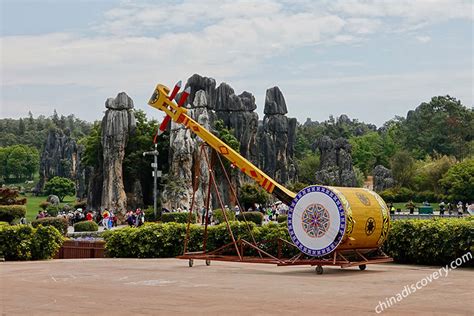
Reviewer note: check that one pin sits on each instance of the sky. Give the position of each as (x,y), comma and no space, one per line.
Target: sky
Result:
(370,59)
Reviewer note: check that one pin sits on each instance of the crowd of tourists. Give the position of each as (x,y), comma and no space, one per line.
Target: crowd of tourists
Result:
(449,208)
(106,218)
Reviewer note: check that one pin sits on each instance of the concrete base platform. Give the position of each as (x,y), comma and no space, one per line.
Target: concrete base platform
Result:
(170,287)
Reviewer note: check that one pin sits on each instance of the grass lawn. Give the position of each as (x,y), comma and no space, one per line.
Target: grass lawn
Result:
(33,202)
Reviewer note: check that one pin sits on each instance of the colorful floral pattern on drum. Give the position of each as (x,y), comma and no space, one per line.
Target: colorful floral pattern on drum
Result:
(315,220)
(341,228)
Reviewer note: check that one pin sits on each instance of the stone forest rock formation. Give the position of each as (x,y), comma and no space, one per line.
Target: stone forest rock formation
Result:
(105,183)
(276,138)
(117,124)
(60,157)
(185,170)
(383,178)
(335,162)
(208,103)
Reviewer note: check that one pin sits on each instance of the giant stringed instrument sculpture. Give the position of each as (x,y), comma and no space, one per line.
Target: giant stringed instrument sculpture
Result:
(329,225)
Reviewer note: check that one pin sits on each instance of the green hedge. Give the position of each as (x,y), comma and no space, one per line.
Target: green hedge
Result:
(24,242)
(282,218)
(86,226)
(434,241)
(218,216)
(53,210)
(9,213)
(154,240)
(177,217)
(255,217)
(60,223)
(150,215)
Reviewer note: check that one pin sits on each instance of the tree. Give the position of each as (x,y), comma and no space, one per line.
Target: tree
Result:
(19,161)
(442,126)
(21,127)
(226,135)
(307,168)
(175,189)
(458,182)
(430,171)
(61,187)
(403,168)
(251,193)
(372,149)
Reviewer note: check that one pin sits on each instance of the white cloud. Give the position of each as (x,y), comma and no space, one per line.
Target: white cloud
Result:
(140,43)
(423,39)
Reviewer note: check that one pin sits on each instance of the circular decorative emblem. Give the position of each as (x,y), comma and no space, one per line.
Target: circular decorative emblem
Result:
(363,198)
(315,220)
(370,226)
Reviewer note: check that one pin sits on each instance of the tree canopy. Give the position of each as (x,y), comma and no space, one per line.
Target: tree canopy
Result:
(19,162)
(60,186)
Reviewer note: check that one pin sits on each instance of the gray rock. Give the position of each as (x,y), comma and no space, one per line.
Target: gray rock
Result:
(121,102)
(135,197)
(270,146)
(383,178)
(277,138)
(53,199)
(208,85)
(117,124)
(60,157)
(335,163)
(274,102)
(81,175)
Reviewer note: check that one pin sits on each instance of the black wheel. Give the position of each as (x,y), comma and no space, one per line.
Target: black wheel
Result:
(208,262)
(319,270)
(191,262)
(362,267)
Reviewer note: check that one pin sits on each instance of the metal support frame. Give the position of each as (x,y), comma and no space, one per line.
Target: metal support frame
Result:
(342,258)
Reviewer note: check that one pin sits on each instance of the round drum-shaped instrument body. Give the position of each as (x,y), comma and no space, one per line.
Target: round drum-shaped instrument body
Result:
(322,219)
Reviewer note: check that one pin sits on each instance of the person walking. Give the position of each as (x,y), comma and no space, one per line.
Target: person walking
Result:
(105,219)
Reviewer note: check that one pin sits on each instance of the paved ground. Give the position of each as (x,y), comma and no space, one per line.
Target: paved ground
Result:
(169,287)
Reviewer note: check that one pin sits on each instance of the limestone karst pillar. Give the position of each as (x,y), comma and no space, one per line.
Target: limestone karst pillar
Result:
(117,124)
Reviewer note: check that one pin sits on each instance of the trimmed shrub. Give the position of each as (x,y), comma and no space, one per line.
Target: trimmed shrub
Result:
(150,215)
(80,204)
(44,205)
(218,216)
(434,241)
(52,210)
(282,218)
(4,224)
(156,240)
(151,240)
(255,217)
(60,223)
(268,234)
(86,226)
(23,242)
(9,213)
(45,243)
(177,217)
